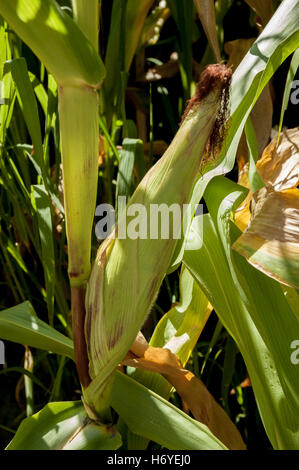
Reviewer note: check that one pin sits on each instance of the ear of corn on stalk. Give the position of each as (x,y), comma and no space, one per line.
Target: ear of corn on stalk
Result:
(127,273)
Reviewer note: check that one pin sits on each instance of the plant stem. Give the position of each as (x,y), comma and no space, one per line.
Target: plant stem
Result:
(78,112)
(78,311)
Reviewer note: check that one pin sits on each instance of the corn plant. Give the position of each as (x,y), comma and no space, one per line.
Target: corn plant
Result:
(236,259)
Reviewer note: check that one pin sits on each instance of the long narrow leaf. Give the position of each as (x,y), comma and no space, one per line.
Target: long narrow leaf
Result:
(151,416)
(252,308)
(63,426)
(21,325)
(55,39)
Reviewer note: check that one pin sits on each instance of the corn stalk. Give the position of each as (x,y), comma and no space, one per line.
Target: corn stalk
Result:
(70,54)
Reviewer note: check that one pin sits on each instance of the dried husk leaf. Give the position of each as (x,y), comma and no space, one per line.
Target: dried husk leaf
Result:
(279,165)
(271,241)
(195,396)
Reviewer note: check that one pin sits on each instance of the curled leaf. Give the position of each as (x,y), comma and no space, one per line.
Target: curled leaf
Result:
(271,241)
(140,345)
(279,165)
(278,168)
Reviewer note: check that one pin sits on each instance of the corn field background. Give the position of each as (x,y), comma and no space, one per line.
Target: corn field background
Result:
(142,344)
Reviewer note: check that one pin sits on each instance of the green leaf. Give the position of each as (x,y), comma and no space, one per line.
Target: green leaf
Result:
(149,415)
(24,82)
(7,91)
(56,39)
(39,91)
(14,251)
(230,353)
(252,308)
(183,14)
(178,330)
(255,179)
(86,16)
(125,176)
(21,325)
(292,296)
(28,105)
(44,217)
(288,86)
(63,426)
(115,58)
(51,119)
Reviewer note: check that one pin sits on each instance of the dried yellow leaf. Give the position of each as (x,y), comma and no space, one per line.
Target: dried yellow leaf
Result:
(195,396)
(271,241)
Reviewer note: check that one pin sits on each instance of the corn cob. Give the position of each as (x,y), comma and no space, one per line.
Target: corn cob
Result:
(127,273)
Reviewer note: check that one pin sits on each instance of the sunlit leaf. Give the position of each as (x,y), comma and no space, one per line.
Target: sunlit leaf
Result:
(55,39)
(288,86)
(252,307)
(63,426)
(21,325)
(262,112)
(135,17)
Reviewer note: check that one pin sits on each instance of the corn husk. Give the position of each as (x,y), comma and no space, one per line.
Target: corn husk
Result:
(128,273)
